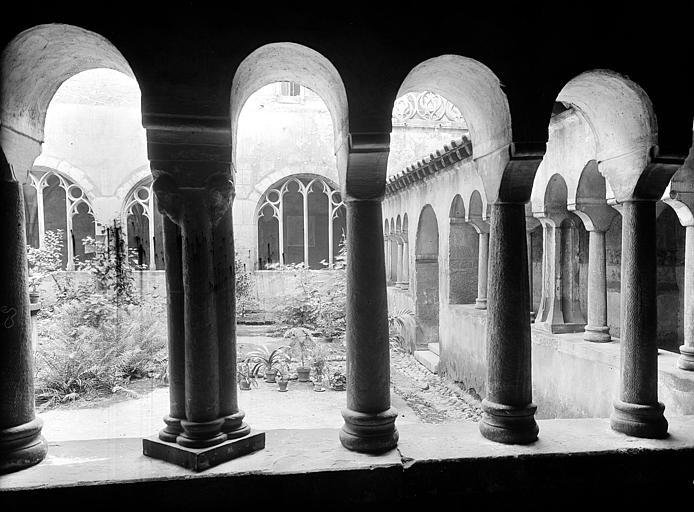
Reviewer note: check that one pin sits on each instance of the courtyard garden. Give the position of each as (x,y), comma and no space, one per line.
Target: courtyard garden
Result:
(101,351)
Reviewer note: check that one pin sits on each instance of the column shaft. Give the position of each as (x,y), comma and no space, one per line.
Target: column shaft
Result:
(369,418)
(596,328)
(21,443)
(398,268)
(203,424)
(529,244)
(508,408)
(225,302)
(406,262)
(482,271)
(176,331)
(638,411)
(686,360)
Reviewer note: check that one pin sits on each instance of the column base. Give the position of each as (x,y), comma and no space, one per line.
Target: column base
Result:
(199,459)
(560,328)
(686,360)
(234,426)
(509,424)
(639,420)
(369,433)
(172,429)
(480,303)
(201,434)
(22,446)
(597,334)
(402,285)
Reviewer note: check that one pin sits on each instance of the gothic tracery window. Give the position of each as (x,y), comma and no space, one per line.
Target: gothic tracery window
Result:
(304,216)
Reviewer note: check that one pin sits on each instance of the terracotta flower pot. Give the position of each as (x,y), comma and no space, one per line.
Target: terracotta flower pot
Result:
(271,375)
(244,385)
(282,384)
(303,374)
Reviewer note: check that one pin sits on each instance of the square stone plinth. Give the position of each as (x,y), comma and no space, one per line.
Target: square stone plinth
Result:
(199,459)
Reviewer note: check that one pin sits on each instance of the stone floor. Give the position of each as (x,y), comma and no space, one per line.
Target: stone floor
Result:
(417,394)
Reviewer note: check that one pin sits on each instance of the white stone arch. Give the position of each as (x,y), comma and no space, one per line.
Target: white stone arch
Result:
(286,61)
(33,66)
(476,91)
(621,116)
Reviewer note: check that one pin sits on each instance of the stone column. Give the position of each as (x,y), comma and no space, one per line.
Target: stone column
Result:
(686,359)
(386,252)
(369,418)
(553,315)
(596,219)
(638,412)
(482,270)
(399,269)
(509,414)
(405,264)
(212,420)
(225,300)
(175,330)
(21,442)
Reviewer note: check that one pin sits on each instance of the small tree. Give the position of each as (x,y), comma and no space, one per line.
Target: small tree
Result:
(46,260)
(301,343)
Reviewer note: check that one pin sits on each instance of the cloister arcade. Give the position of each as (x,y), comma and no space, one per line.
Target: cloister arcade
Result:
(543,230)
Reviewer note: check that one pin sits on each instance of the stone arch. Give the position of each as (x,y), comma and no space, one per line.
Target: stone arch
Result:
(33,65)
(143,226)
(623,121)
(427,276)
(476,91)
(287,61)
(463,255)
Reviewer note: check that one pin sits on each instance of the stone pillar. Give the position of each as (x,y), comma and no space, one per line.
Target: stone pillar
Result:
(638,412)
(369,418)
(175,330)
(482,271)
(212,430)
(21,442)
(596,219)
(551,314)
(405,264)
(386,250)
(225,300)
(509,414)
(400,279)
(686,359)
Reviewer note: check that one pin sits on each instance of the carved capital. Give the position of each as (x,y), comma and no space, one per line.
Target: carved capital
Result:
(194,204)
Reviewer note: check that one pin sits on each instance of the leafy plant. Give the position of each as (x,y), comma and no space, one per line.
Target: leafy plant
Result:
(319,364)
(245,375)
(263,360)
(245,287)
(396,324)
(301,343)
(45,261)
(283,372)
(338,380)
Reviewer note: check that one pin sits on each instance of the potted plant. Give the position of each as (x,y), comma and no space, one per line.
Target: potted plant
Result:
(319,366)
(338,381)
(245,377)
(302,345)
(266,361)
(283,376)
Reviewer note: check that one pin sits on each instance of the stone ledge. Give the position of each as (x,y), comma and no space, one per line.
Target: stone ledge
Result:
(580,459)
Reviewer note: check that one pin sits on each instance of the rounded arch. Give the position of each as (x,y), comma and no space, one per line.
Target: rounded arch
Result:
(475,90)
(556,193)
(623,121)
(33,65)
(285,61)
(427,243)
(398,224)
(427,277)
(457,210)
(476,206)
(463,255)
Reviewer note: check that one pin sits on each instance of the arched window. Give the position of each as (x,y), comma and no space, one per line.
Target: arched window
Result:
(54,202)
(144,228)
(304,216)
